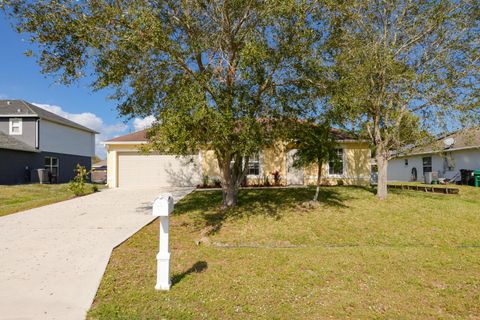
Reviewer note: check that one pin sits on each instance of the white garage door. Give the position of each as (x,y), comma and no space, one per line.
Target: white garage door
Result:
(145,171)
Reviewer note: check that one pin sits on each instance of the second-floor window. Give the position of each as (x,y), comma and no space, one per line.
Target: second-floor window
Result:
(15,126)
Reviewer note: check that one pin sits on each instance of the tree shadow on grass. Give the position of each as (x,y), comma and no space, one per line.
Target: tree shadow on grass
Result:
(271,203)
(198,267)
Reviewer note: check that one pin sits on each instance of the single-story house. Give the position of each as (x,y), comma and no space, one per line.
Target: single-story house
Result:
(32,138)
(447,156)
(130,168)
(99,172)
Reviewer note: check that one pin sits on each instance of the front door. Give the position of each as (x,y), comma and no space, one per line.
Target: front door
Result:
(294,175)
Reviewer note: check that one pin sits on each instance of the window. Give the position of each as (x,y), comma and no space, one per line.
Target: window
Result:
(406,162)
(15,126)
(427,164)
(335,166)
(254,165)
(51,165)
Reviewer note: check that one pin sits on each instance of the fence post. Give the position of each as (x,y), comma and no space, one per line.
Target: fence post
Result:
(162,207)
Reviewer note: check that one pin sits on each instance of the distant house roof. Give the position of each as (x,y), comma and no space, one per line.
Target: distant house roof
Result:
(100,164)
(459,140)
(20,108)
(10,143)
(139,136)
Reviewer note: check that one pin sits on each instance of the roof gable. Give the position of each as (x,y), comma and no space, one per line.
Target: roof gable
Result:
(22,108)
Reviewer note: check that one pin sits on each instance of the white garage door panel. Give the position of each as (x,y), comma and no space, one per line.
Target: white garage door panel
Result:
(140,170)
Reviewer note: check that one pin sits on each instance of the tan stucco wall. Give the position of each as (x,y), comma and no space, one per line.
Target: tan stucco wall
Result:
(274,159)
(271,160)
(209,164)
(357,164)
(356,167)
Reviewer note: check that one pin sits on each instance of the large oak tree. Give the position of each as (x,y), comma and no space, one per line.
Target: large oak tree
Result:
(217,74)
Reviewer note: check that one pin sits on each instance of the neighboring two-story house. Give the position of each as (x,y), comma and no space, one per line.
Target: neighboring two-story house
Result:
(32,138)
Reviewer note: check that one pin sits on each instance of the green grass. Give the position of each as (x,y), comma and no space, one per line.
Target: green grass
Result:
(413,256)
(27,196)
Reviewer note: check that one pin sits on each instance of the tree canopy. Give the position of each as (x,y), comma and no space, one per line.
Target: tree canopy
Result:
(402,68)
(214,73)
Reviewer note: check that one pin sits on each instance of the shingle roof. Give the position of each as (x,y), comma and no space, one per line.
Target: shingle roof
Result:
(134,136)
(464,139)
(9,142)
(23,108)
(141,136)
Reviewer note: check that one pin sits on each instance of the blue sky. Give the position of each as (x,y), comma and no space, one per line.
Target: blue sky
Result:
(20,78)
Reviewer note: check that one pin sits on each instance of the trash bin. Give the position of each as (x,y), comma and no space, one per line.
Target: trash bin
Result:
(476,177)
(466,176)
(41,175)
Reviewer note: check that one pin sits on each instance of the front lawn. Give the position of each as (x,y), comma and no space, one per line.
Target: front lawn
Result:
(415,255)
(27,196)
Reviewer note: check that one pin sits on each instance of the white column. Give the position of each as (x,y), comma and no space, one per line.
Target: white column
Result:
(162,207)
(163,257)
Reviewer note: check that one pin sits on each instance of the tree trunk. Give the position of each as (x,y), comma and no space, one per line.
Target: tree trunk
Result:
(230,196)
(319,179)
(232,176)
(382,164)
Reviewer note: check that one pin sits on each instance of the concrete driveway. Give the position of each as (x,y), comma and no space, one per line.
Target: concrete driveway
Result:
(52,258)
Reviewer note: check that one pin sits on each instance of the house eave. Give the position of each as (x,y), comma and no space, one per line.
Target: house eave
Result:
(435,152)
(123,142)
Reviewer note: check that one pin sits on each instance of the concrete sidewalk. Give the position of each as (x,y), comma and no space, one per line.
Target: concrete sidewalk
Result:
(52,258)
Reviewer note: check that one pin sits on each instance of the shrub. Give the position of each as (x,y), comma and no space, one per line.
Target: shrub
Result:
(77,185)
(217,183)
(266,182)
(205,181)
(276,177)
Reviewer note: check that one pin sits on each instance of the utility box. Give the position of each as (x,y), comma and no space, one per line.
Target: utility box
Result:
(163,205)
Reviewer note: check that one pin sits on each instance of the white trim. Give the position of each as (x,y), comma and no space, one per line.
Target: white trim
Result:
(435,152)
(20,126)
(342,175)
(37,134)
(124,142)
(16,115)
(52,166)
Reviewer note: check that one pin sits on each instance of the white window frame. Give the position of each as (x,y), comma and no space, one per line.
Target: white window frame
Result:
(250,162)
(337,175)
(19,126)
(253,162)
(50,166)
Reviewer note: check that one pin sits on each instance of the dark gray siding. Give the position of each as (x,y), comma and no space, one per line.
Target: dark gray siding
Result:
(13,163)
(28,129)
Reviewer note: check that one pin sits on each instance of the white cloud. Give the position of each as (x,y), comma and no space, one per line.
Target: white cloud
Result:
(92,121)
(143,123)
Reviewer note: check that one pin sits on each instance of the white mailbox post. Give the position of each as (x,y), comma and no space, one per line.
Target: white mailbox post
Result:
(162,207)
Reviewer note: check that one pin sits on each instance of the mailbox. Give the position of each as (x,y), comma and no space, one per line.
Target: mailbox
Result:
(163,205)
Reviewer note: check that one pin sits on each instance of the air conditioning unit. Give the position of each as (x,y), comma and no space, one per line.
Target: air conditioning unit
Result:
(430,176)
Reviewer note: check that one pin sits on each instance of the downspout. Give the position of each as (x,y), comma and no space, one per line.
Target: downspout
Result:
(37,134)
